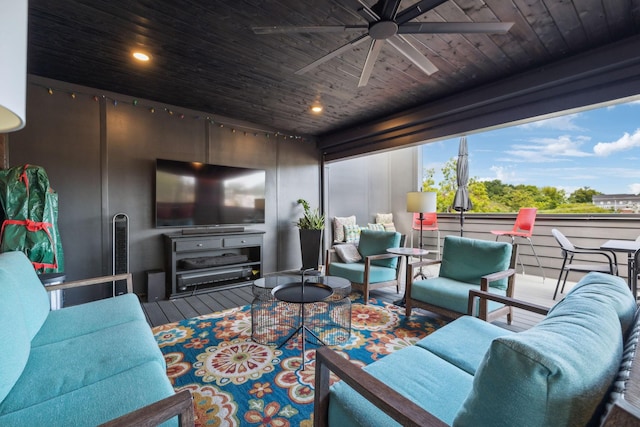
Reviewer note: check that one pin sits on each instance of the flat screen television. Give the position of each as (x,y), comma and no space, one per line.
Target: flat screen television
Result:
(192,194)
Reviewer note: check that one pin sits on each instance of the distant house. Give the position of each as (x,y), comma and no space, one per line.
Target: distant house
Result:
(628,203)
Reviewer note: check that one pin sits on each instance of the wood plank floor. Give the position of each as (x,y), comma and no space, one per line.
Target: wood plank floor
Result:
(528,288)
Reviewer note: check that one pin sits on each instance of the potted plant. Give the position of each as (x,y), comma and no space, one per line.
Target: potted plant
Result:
(311,225)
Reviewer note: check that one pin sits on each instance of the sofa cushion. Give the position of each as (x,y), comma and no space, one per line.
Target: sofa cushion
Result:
(354,272)
(466,260)
(564,366)
(97,402)
(449,293)
(610,290)
(63,367)
(14,336)
(78,320)
(338,226)
(376,243)
(33,297)
(440,388)
(463,342)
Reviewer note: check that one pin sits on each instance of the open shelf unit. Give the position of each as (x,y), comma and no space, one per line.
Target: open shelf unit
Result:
(211,251)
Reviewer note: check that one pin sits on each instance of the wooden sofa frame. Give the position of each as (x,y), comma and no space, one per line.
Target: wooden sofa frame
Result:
(484,314)
(180,404)
(624,413)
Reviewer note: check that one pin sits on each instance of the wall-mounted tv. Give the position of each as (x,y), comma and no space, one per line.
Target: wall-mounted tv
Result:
(192,194)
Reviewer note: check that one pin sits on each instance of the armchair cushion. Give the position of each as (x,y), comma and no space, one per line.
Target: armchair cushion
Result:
(467,260)
(449,293)
(376,243)
(348,252)
(354,272)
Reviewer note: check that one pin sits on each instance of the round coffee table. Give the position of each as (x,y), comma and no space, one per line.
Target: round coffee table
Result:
(320,310)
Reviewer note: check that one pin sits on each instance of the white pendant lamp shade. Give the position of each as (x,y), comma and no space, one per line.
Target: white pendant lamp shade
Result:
(13,64)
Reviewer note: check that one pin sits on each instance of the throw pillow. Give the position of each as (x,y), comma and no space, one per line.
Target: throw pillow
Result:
(352,233)
(338,226)
(389,227)
(376,227)
(384,218)
(348,252)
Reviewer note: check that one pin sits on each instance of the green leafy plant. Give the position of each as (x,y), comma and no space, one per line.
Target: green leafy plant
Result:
(312,219)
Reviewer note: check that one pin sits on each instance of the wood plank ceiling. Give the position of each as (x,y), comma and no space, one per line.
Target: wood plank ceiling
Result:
(206,57)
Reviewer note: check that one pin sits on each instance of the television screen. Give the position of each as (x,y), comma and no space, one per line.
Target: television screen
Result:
(199,194)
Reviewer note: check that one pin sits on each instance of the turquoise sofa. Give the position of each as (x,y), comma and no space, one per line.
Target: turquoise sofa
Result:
(78,366)
(473,373)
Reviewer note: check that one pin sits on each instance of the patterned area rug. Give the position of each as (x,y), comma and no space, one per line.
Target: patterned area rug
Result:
(236,381)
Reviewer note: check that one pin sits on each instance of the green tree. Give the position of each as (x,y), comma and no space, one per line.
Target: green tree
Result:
(583,195)
(551,198)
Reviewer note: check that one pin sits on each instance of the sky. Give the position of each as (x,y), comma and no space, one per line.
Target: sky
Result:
(597,148)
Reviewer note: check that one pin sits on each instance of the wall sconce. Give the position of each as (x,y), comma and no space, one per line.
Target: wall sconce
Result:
(13,71)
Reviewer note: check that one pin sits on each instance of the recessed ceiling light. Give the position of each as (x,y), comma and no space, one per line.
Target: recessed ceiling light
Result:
(316,108)
(141,56)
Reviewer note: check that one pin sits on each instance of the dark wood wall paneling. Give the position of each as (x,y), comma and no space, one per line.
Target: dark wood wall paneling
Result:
(100,158)
(599,76)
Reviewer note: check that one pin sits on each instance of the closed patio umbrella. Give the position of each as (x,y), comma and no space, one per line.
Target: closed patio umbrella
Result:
(461,201)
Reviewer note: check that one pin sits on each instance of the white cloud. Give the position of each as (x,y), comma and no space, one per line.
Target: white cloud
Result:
(542,150)
(625,142)
(563,123)
(634,188)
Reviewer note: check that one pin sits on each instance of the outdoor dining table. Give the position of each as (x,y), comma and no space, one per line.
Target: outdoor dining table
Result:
(630,247)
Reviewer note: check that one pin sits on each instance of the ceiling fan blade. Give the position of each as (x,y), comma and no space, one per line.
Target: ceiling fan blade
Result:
(413,54)
(307,29)
(387,9)
(417,9)
(372,57)
(334,53)
(367,13)
(454,27)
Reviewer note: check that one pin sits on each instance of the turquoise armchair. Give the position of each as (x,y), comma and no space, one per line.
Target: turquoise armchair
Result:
(377,268)
(466,264)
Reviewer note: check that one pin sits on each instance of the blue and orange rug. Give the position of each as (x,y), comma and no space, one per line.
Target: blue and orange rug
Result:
(235,381)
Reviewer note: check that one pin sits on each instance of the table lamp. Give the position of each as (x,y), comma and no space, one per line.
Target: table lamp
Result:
(421,202)
(13,51)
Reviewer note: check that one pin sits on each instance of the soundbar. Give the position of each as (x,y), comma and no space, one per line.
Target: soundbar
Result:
(212,230)
(201,277)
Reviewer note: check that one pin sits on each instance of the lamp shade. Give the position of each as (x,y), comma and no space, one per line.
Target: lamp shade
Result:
(13,68)
(418,201)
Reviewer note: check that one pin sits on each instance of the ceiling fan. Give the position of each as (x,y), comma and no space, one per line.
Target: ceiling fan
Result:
(385,23)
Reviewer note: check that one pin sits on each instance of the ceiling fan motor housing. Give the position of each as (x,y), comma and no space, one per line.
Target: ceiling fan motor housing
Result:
(382,30)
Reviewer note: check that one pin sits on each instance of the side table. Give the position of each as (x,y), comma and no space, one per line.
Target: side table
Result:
(408,253)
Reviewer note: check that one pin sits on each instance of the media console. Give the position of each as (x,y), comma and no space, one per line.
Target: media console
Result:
(197,263)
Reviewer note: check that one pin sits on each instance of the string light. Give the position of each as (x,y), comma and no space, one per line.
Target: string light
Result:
(152,110)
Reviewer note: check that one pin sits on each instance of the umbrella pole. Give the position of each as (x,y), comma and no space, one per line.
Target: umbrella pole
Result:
(461,222)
